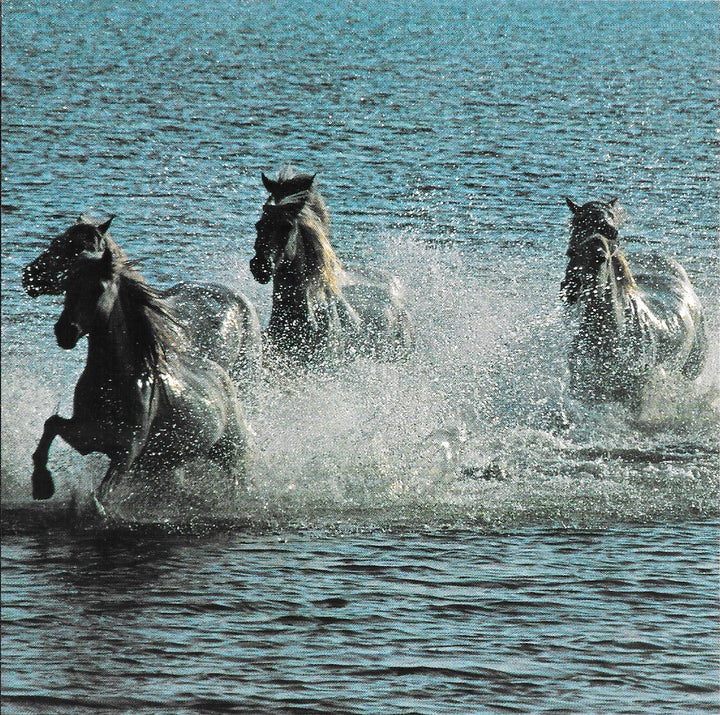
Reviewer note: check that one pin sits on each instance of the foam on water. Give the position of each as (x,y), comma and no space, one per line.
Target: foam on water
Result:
(473,431)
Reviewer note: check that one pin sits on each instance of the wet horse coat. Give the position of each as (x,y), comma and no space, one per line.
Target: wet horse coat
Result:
(321,313)
(142,399)
(221,323)
(632,324)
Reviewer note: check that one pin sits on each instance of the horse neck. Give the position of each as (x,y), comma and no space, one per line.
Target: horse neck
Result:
(114,347)
(303,281)
(607,306)
(110,352)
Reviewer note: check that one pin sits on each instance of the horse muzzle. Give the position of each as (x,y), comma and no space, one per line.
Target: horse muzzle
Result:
(67,334)
(261,270)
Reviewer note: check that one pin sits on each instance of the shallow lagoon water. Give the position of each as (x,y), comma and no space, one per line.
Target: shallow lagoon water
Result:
(422,537)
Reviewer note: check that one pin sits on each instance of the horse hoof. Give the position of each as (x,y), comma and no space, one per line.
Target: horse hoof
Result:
(42,484)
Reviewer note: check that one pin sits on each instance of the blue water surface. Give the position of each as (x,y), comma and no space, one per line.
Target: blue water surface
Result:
(416,538)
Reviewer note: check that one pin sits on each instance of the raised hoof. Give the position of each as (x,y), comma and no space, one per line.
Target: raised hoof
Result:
(42,484)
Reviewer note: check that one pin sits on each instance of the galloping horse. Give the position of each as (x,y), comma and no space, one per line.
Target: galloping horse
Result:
(321,313)
(221,323)
(142,400)
(633,324)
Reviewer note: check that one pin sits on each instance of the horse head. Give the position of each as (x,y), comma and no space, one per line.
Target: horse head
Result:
(88,297)
(603,217)
(47,273)
(593,244)
(277,234)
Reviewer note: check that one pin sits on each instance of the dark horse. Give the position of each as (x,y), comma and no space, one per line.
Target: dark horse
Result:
(633,325)
(321,312)
(142,400)
(221,323)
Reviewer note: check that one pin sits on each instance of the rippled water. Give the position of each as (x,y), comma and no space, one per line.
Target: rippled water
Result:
(446,622)
(423,537)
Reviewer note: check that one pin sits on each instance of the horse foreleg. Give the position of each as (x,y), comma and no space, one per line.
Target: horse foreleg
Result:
(230,451)
(122,459)
(42,482)
(84,437)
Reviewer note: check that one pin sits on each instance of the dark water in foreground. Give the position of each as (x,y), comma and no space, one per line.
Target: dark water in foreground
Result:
(422,537)
(618,620)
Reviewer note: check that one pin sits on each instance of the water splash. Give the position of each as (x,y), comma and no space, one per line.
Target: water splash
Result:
(474,430)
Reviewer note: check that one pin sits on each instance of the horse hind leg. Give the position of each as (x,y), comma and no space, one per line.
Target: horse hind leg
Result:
(230,452)
(695,361)
(246,372)
(109,481)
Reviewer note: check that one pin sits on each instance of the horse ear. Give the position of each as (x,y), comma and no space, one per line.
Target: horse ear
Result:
(103,227)
(571,204)
(270,185)
(613,201)
(304,182)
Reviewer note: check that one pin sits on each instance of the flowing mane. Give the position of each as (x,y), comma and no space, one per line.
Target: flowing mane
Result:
(621,270)
(322,263)
(323,268)
(289,183)
(152,327)
(321,312)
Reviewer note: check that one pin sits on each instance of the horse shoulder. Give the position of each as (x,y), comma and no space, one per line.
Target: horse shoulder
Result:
(115,411)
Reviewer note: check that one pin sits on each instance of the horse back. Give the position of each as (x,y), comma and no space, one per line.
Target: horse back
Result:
(221,323)
(665,286)
(360,277)
(670,306)
(376,298)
